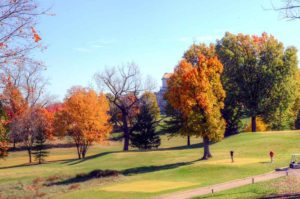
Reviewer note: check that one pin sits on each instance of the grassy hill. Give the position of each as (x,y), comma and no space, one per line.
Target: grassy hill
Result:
(146,174)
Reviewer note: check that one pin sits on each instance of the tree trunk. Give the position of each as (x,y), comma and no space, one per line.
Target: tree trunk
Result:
(207,153)
(83,152)
(78,151)
(253,123)
(126,132)
(29,155)
(188,140)
(14,144)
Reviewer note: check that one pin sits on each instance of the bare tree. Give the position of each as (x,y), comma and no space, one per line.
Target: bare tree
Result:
(290,9)
(27,76)
(28,126)
(17,34)
(124,85)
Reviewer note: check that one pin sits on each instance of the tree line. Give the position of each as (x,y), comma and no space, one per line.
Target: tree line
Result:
(211,90)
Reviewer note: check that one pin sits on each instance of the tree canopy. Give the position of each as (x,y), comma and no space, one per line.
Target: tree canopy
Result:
(84,117)
(258,72)
(195,89)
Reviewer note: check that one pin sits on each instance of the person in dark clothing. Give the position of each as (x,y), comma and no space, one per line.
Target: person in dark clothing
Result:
(231,155)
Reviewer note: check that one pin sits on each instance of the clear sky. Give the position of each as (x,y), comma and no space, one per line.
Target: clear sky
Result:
(85,36)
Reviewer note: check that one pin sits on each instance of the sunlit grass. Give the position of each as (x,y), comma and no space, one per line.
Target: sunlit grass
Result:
(172,163)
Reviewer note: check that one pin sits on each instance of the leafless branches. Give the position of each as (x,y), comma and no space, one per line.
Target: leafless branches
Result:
(27,76)
(124,84)
(17,22)
(290,9)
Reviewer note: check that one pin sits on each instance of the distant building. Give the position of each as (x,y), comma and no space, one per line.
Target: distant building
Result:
(160,94)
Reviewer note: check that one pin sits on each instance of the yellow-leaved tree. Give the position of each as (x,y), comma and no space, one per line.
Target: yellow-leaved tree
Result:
(195,89)
(84,117)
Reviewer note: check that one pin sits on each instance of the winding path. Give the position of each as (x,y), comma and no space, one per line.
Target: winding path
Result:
(227,185)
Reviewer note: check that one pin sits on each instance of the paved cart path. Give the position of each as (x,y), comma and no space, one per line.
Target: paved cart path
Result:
(227,185)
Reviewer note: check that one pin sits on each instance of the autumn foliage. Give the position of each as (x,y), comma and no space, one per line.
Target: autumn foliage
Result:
(196,91)
(85,118)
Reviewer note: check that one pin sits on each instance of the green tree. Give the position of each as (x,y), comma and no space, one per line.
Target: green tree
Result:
(257,68)
(150,100)
(284,95)
(143,134)
(39,151)
(175,124)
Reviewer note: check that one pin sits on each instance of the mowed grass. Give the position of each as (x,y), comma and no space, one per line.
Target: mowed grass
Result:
(257,190)
(172,168)
(284,187)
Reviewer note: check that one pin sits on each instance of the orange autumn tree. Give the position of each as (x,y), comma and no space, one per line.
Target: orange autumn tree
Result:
(195,89)
(85,118)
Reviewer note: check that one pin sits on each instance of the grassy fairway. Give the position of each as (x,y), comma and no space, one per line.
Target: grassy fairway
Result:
(174,167)
(257,190)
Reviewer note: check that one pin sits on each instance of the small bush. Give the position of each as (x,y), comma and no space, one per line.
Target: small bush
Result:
(53,178)
(40,194)
(103,173)
(260,125)
(74,186)
(98,174)
(37,180)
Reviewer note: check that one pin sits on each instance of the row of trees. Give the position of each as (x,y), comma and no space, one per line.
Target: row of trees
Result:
(259,76)
(23,117)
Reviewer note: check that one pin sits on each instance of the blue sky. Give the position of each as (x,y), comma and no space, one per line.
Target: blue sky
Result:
(85,36)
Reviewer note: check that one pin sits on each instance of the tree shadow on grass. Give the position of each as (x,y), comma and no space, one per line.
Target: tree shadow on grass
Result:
(127,172)
(184,147)
(149,169)
(77,161)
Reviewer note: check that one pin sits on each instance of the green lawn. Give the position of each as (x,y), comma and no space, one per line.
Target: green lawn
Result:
(174,167)
(252,191)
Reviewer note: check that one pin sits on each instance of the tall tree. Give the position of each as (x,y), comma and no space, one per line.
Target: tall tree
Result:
(232,111)
(29,125)
(124,84)
(85,118)
(195,89)
(255,66)
(143,134)
(285,95)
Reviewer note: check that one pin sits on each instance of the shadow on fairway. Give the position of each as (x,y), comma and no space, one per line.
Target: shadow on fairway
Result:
(184,147)
(148,169)
(127,172)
